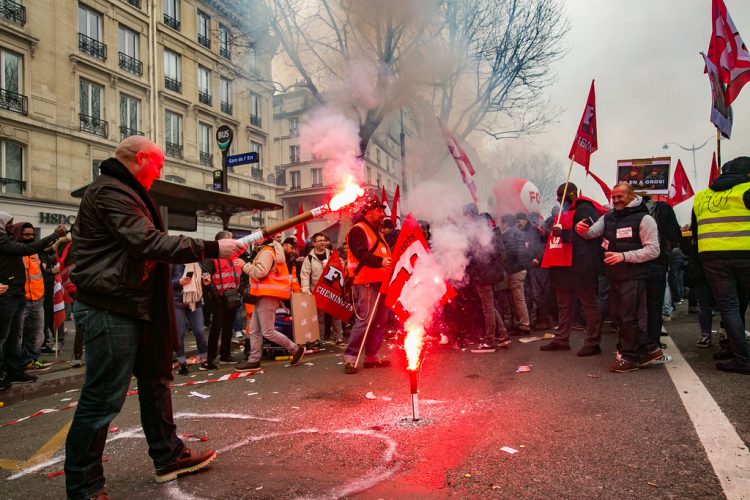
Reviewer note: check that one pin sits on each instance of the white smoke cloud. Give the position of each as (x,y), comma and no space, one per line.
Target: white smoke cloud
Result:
(331,135)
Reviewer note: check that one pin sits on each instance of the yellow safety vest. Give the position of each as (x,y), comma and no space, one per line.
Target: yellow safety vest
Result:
(723,219)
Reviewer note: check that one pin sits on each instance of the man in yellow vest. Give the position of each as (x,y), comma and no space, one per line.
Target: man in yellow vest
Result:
(721,225)
(367,266)
(270,283)
(33,316)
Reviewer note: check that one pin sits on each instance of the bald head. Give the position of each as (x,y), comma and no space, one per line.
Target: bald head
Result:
(622,194)
(142,158)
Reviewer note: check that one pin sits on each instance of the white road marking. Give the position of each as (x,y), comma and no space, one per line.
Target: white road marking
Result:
(726,451)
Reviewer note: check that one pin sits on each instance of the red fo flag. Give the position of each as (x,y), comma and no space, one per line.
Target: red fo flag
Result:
(585,143)
(605,189)
(394,209)
(714,171)
(329,290)
(413,275)
(680,190)
(58,304)
(462,161)
(728,52)
(301,229)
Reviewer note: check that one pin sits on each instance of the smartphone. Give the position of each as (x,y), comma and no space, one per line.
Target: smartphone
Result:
(189,274)
(589,221)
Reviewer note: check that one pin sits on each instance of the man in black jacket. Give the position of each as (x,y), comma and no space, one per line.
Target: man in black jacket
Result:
(124,302)
(13,301)
(515,267)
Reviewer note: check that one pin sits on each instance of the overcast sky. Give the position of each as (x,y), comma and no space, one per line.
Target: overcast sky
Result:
(650,86)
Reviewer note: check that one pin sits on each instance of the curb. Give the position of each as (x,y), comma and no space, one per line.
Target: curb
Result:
(44,386)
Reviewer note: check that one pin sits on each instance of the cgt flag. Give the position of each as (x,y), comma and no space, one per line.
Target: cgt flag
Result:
(680,190)
(394,209)
(462,161)
(728,52)
(585,142)
(411,276)
(329,290)
(714,174)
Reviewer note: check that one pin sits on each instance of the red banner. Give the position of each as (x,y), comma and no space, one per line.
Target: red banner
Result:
(58,304)
(714,171)
(728,52)
(680,190)
(462,161)
(585,143)
(329,290)
(394,208)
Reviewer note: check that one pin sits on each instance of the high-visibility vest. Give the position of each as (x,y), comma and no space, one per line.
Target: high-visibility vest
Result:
(34,286)
(277,283)
(723,219)
(225,276)
(378,247)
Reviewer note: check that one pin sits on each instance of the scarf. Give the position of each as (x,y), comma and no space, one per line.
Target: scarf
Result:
(193,291)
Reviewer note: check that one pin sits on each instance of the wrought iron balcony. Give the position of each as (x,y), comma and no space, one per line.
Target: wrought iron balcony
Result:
(206,158)
(127,132)
(92,47)
(225,53)
(131,64)
(13,12)
(14,102)
(256,121)
(7,181)
(256,173)
(204,40)
(93,125)
(173,149)
(172,22)
(204,97)
(134,3)
(226,108)
(172,84)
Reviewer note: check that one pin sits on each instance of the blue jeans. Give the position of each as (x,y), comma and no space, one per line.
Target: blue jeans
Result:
(728,278)
(364,297)
(112,355)
(11,322)
(33,330)
(196,324)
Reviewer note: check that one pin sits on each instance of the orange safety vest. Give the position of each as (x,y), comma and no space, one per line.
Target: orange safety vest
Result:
(376,246)
(277,283)
(34,287)
(224,276)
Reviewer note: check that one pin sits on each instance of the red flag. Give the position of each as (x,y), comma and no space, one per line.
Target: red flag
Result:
(714,171)
(384,195)
(58,304)
(394,209)
(585,143)
(412,272)
(605,189)
(680,190)
(329,290)
(301,230)
(462,161)
(721,113)
(728,52)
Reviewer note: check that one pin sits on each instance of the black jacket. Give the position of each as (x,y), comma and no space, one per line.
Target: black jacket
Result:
(670,234)
(486,264)
(515,251)
(12,270)
(588,255)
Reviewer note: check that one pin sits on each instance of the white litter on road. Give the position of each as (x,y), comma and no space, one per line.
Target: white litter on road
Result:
(509,450)
(199,395)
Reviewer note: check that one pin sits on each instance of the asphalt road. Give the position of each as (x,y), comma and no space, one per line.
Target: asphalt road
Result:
(311,431)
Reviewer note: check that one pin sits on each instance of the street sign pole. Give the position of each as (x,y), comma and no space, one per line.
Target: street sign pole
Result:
(224,138)
(224,179)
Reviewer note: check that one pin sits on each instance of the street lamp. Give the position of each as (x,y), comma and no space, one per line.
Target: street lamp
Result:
(692,150)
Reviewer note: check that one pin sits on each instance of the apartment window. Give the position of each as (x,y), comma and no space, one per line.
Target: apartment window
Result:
(377,156)
(226,96)
(369,175)
(255,118)
(204,29)
(173,134)
(294,153)
(13,11)
(11,84)
(294,126)
(224,38)
(253,61)
(95,164)
(205,139)
(317,177)
(172,71)
(204,85)
(256,169)
(130,113)
(379,180)
(128,56)
(295,178)
(172,14)
(90,33)
(91,108)
(11,175)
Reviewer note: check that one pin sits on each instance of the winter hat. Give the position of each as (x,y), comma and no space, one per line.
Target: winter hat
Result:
(740,165)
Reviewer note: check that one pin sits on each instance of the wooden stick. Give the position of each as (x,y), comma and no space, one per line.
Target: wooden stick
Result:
(718,149)
(565,192)
(374,311)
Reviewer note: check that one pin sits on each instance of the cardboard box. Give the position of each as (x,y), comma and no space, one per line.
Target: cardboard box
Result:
(305,318)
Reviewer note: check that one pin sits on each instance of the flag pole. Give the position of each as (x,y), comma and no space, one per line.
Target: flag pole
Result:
(375,308)
(565,191)
(718,149)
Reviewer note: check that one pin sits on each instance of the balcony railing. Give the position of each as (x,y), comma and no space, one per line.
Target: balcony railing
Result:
(131,64)
(127,132)
(206,158)
(256,121)
(93,125)
(317,184)
(204,40)
(225,52)
(256,173)
(172,84)
(295,187)
(92,47)
(134,3)
(13,12)
(204,97)
(173,149)
(14,102)
(226,108)
(7,181)
(172,22)
(294,159)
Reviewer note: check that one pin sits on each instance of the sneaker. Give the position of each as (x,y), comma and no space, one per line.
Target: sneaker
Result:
(207,366)
(22,378)
(733,367)
(518,332)
(555,346)
(340,342)
(503,342)
(589,350)
(228,361)
(37,366)
(47,350)
(655,358)
(239,334)
(378,363)
(622,366)
(188,463)
(183,369)
(483,348)
(76,363)
(705,341)
(350,369)
(4,383)
(666,318)
(664,331)
(247,366)
(297,356)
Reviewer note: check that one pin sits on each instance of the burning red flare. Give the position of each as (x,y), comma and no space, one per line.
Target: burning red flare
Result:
(413,343)
(347,196)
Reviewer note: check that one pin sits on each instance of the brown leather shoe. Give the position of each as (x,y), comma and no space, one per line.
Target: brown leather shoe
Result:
(188,463)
